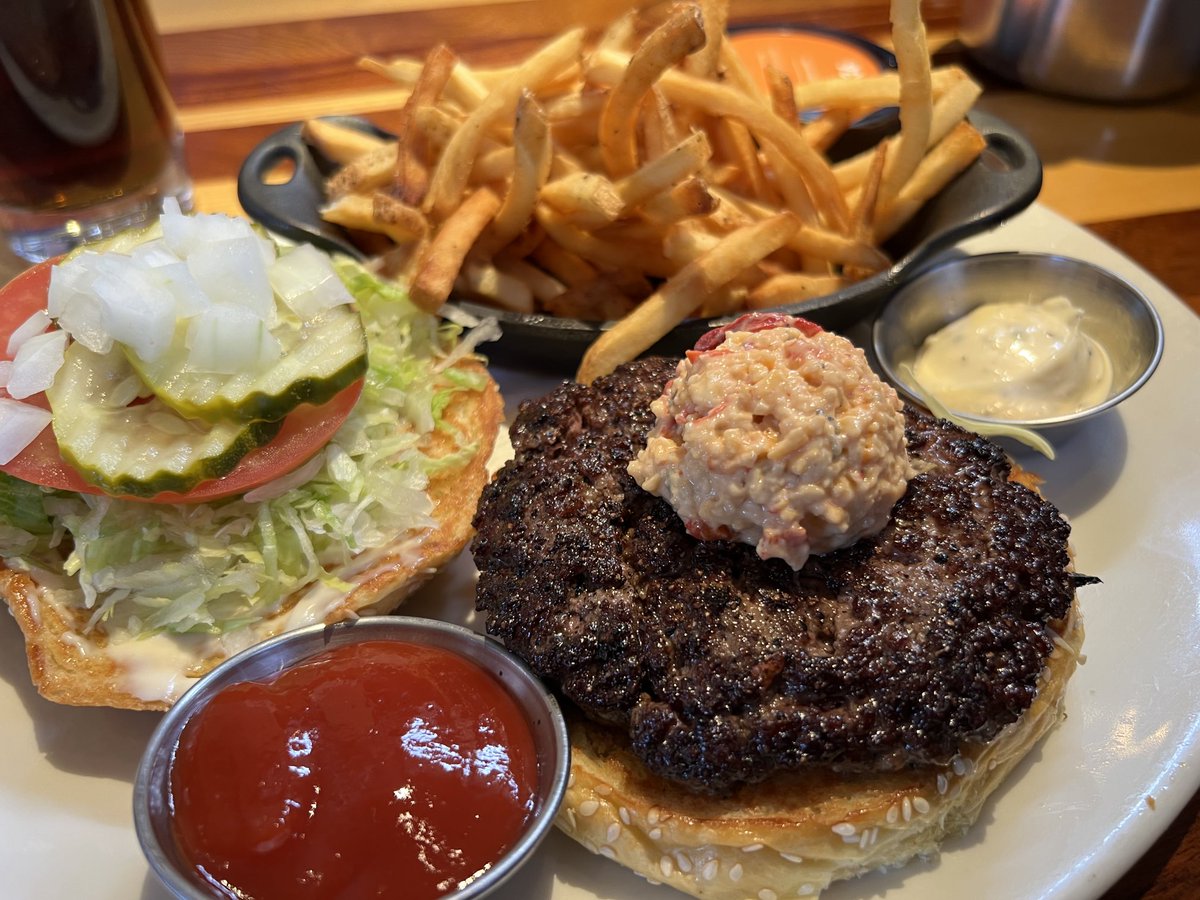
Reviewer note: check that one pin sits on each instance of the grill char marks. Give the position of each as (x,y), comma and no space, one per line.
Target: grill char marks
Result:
(724,668)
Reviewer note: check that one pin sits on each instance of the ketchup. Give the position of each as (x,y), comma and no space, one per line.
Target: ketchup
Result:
(376,769)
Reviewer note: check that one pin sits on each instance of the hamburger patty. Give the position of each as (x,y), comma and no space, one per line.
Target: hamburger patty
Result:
(725,668)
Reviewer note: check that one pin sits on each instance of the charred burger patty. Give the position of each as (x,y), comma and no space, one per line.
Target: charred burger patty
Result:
(726,669)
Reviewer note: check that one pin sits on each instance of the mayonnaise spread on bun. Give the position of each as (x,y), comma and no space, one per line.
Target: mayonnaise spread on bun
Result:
(777,433)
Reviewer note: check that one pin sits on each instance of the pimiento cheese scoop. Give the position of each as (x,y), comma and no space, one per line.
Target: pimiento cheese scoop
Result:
(777,433)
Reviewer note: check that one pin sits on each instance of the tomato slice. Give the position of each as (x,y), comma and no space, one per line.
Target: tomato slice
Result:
(304,431)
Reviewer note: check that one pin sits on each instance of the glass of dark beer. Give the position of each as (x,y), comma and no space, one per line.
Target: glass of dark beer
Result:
(89,141)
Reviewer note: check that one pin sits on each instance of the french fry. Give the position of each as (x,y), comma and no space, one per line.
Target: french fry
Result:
(588,199)
(783,95)
(716,16)
(724,101)
(365,173)
(792,287)
(686,200)
(339,143)
(958,94)
(439,264)
(683,293)
(662,174)
(504,290)
(916,97)
(681,34)
(952,154)
(634,179)
(568,267)
(604,298)
(823,132)
(659,129)
(411,173)
(542,285)
(463,89)
(453,170)
(530,163)
(376,212)
(641,257)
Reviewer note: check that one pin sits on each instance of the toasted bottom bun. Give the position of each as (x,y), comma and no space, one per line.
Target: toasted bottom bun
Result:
(71,667)
(791,836)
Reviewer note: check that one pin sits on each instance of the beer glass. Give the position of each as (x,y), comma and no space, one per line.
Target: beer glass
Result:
(89,142)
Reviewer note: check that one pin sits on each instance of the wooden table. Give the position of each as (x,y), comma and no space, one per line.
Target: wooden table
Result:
(241,70)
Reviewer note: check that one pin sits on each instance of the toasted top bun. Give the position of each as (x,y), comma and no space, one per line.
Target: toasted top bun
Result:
(69,666)
(792,835)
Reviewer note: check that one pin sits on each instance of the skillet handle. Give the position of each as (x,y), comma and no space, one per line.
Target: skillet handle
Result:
(291,209)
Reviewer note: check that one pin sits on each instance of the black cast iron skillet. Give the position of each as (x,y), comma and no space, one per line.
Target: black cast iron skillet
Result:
(1003,181)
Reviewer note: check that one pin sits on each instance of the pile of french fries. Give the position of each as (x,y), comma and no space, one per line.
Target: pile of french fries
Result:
(643,176)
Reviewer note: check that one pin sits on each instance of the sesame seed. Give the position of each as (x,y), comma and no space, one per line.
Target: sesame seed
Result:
(792,858)
(655,834)
(845,829)
(571,780)
(906,809)
(588,807)
(767,894)
(614,833)
(921,805)
(806,890)
(893,814)
(735,872)
(652,816)
(943,783)
(624,814)
(604,789)
(571,818)
(709,872)
(683,861)
(607,852)
(959,765)
(752,848)
(666,866)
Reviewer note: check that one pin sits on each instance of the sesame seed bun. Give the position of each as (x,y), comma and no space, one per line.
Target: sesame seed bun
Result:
(793,835)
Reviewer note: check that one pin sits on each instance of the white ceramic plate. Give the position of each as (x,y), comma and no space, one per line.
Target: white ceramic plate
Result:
(1082,809)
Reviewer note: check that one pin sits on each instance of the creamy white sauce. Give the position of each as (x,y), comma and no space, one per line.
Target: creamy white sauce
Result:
(1015,361)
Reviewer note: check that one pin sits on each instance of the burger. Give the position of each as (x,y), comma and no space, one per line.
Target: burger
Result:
(210,439)
(801,629)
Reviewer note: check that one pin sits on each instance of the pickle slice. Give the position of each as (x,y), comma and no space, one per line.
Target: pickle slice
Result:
(319,357)
(143,449)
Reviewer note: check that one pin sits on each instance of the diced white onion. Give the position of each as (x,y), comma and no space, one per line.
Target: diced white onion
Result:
(137,309)
(232,272)
(190,298)
(184,234)
(36,364)
(67,281)
(20,423)
(305,281)
(35,324)
(227,340)
(153,254)
(83,319)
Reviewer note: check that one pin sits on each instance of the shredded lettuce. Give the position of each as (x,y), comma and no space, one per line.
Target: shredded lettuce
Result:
(216,567)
